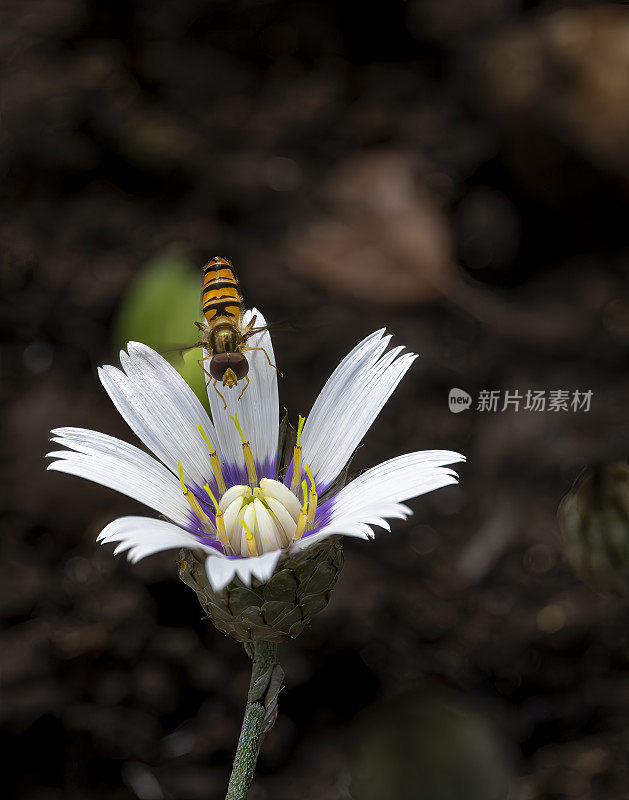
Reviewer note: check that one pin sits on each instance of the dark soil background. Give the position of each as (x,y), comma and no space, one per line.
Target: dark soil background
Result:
(456,171)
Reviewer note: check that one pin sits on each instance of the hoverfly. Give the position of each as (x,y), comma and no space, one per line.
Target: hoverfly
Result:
(223,336)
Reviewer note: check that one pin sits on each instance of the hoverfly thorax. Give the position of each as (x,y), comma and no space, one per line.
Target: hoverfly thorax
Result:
(224,337)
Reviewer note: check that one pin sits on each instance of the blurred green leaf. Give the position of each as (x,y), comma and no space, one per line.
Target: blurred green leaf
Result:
(429,744)
(159,309)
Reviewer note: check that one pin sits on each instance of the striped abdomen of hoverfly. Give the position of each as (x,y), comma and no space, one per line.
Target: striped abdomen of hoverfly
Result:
(220,296)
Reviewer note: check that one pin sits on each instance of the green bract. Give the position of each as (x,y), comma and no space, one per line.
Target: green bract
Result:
(276,610)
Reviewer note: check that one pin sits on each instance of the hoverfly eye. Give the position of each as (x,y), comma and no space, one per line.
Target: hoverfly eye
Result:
(218,365)
(239,364)
(221,362)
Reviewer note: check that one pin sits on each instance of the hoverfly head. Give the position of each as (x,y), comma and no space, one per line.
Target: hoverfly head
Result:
(229,368)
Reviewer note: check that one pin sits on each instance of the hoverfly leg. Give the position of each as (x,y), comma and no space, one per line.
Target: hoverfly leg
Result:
(250,324)
(271,364)
(219,394)
(211,377)
(243,391)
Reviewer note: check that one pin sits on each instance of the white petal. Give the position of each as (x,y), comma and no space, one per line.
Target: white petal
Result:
(233,527)
(377,494)
(286,522)
(120,466)
(141,537)
(243,545)
(282,493)
(398,479)
(160,407)
(349,403)
(269,535)
(358,530)
(257,409)
(260,567)
(220,571)
(232,494)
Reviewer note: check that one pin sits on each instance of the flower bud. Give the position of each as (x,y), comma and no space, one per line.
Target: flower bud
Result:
(274,611)
(594,521)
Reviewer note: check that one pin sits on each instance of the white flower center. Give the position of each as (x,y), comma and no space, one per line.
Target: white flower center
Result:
(260,520)
(255,519)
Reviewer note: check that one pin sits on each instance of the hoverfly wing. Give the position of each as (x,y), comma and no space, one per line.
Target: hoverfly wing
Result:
(272,327)
(169,351)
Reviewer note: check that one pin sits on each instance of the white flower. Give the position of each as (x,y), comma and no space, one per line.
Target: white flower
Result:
(219,485)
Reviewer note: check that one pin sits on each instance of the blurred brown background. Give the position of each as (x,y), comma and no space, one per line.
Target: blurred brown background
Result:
(457,171)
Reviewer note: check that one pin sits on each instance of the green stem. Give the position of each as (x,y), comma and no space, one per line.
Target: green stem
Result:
(263,668)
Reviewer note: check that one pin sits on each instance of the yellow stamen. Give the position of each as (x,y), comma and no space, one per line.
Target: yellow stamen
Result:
(304,494)
(250,540)
(301,527)
(234,418)
(246,449)
(296,469)
(297,456)
(218,473)
(312,498)
(184,488)
(212,498)
(215,461)
(220,521)
(205,437)
(303,514)
(192,500)
(300,427)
